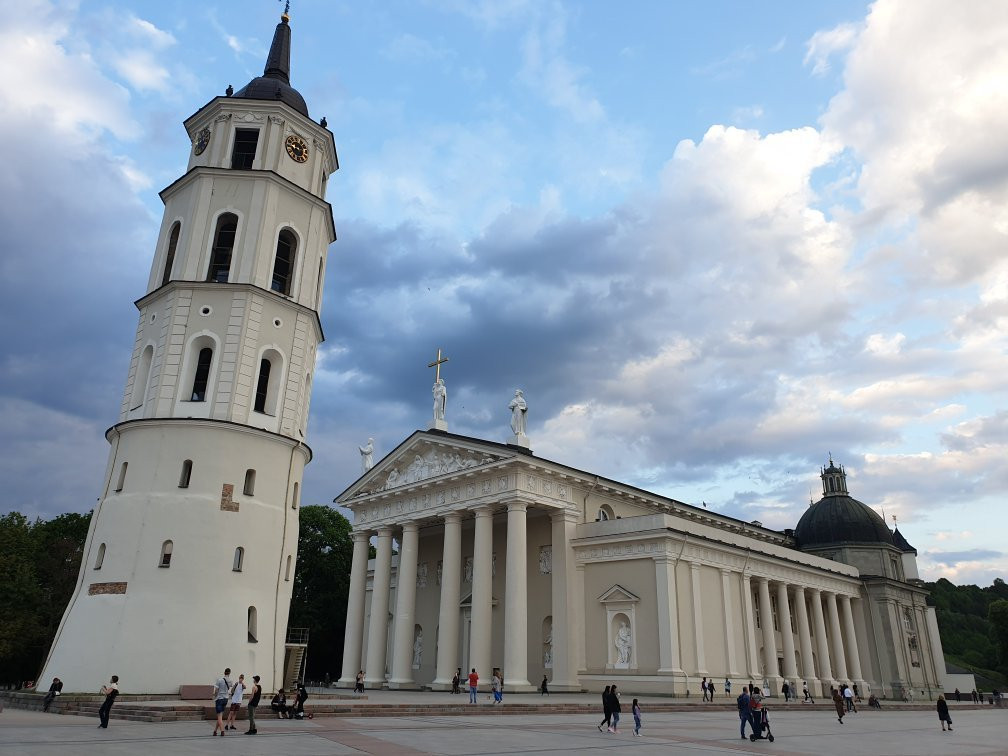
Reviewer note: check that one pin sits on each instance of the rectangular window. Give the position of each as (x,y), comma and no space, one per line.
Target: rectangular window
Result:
(244,150)
(773,610)
(186,475)
(122,477)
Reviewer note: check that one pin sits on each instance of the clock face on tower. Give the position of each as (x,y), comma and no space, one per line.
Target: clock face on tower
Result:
(297,148)
(202,140)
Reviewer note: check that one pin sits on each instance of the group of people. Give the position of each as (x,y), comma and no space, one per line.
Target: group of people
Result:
(228,697)
(845,700)
(611,711)
(750,710)
(707,688)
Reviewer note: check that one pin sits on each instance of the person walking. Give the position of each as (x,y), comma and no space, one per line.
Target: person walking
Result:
(544,688)
(808,696)
(54,690)
(473,683)
(703,687)
(252,704)
(110,692)
(496,685)
(743,711)
(958,695)
(849,699)
(236,695)
(727,688)
(222,689)
(635,708)
(838,703)
(943,713)
(359,682)
(786,690)
(456,681)
(756,712)
(614,708)
(606,710)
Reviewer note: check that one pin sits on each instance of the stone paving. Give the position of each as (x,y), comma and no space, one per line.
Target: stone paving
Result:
(797,731)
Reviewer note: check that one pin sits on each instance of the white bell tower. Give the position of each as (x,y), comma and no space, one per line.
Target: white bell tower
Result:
(189,560)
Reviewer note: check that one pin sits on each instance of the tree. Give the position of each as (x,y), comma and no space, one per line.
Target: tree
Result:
(322,586)
(997,615)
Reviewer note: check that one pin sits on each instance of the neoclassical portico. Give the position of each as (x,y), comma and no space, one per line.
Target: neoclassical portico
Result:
(506,560)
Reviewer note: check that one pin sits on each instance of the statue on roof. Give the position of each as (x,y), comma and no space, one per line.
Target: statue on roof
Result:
(519,411)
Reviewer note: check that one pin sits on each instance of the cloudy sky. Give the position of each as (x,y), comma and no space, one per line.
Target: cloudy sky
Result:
(712,243)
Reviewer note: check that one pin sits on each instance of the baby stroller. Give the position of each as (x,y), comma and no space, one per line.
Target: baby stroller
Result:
(761,724)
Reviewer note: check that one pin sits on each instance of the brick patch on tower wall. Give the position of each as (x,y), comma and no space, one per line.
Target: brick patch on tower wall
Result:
(100,589)
(227,504)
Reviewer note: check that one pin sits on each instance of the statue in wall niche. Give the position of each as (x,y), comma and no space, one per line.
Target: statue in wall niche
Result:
(440,567)
(467,572)
(548,649)
(493,564)
(367,455)
(417,649)
(421,575)
(623,644)
(440,398)
(519,410)
(545,560)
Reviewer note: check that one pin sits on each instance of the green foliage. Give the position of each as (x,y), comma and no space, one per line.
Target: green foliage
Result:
(39,562)
(321,587)
(973,622)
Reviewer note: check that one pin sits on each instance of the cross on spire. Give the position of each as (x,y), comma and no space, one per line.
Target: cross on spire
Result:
(437,365)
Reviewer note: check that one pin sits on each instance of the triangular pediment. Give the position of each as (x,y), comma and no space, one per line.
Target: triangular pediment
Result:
(618,595)
(422,457)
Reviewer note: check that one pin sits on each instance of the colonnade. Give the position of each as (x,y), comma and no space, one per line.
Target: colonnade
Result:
(515,620)
(836,652)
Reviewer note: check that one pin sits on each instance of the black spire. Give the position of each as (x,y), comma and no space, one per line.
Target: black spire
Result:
(274,84)
(278,61)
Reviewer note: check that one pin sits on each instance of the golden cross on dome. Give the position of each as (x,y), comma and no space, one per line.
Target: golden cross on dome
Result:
(437,365)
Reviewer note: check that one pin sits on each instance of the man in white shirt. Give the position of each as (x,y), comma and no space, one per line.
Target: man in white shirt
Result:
(222,689)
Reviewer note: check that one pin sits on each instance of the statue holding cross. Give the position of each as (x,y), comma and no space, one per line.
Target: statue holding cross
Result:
(440,393)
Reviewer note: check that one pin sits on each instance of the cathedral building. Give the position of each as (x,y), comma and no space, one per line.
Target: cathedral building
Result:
(508,560)
(189,559)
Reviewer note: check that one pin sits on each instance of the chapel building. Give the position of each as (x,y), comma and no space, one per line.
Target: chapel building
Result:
(508,560)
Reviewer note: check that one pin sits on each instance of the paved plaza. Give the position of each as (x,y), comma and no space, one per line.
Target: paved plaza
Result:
(30,733)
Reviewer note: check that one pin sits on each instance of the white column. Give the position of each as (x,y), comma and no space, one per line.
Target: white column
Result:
(698,623)
(451,595)
(787,639)
(839,659)
(579,612)
(374,671)
(852,649)
(669,660)
(729,622)
(770,670)
(822,647)
(566,622)
(353,637)
(516,599)
(804,637)
(402,643)
(750,628)
(482,595)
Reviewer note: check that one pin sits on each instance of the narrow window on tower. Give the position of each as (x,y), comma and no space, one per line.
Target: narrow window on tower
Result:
(170,257)
(250,482)
(283,265)
(238,559)
(166,552)
(223,245)
(287,573)
(262,385)
(202,374)
(186,475)
(142,378)
(244,148)
(252,632)
(122,477)
(294,498)
(100,558)
(318,287)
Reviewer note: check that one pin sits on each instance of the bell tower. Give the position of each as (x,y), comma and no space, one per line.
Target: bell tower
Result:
(189,561)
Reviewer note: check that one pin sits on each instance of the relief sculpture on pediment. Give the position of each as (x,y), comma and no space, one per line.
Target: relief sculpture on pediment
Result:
(428,465)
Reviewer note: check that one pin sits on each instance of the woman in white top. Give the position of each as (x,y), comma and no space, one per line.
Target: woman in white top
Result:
(237,692)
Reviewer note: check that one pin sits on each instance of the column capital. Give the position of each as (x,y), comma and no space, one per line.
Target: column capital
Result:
(763,581)
(360,535)
(386,530)
(517,505)
(411,526)
(725,570)
(483,510)
(452,517)
(695,566)
(564,514)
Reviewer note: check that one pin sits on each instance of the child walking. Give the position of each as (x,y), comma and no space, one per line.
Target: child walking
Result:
(636,718)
